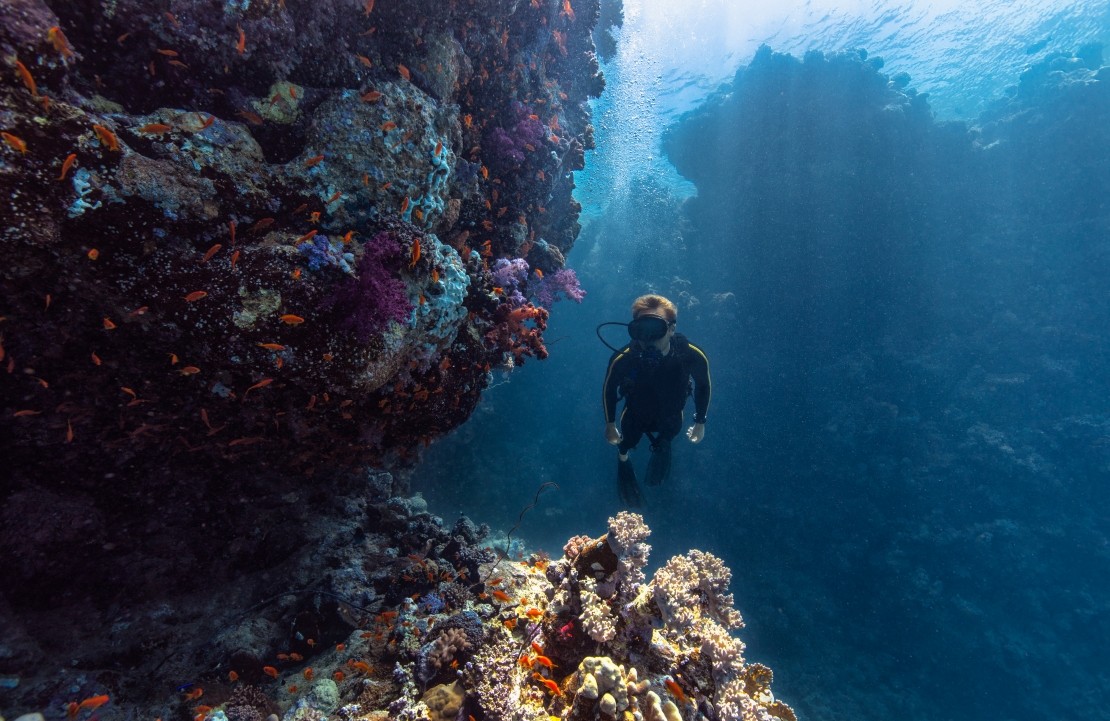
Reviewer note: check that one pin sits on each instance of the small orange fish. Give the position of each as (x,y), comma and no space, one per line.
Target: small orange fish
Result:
(539,273)
(211,252)
(293,92)
(28,80)
(509,623)
(283,657)
(108,324)
(234,259)
(360,666)
(241,46)
(179,64)
(15,141)
(439,149)
(106,137)
(364,60)
(550,685)
(291,319)
(270,671)
(534,613)
(675,690)
(167,53)
(69,439)
(93,254)
(232,676)
(415,251)
(120,40)
(388,125)
(155,128)
(501,596)
(250,117)
(174,360)
(58,39)
(332,199)
(340,647)
(368,7)
(205,123)
(96,359)
(306,236)
(67,164)
(313,161)
(435,275)
(231,230)
(94,702)
(371,97)
(262,224)
(311,642)
(525,661)
(339,676)
(485,173)
(404,72)
(405,206)
(536,648)
(189,371)
(194,694)
(272,346)
(195,296)
(348,235)
(292,688)
(308,674)
(543,661)
(262,384)
(21,414)
(72,709)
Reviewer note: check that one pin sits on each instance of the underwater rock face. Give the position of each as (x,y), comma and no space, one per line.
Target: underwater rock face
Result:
(250,243)
(194,187)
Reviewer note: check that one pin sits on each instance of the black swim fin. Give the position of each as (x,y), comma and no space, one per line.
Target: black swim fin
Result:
(659,465)
(626,484)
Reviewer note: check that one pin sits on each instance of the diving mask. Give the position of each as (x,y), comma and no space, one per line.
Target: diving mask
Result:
(648,328)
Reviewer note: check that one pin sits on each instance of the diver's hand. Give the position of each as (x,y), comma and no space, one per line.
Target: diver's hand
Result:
(696,432)
(612,434)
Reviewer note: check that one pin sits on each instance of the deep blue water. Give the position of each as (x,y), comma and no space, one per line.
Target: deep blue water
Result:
(905,305)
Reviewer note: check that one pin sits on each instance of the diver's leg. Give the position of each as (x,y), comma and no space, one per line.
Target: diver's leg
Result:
(627,486)
(659,465)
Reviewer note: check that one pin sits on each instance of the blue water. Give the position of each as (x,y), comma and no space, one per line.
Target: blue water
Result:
(904,302)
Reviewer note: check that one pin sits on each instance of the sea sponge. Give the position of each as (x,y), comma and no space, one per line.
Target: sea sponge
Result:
(444,701)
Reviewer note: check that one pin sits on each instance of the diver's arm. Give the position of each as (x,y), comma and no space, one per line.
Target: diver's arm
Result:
(703,391)
(613,375)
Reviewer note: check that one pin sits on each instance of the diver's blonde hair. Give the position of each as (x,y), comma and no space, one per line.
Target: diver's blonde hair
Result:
(656,304)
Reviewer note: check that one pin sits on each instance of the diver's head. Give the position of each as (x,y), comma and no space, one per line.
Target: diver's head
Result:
(653,321)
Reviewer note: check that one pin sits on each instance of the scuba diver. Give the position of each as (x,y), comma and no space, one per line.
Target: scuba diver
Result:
(652,373)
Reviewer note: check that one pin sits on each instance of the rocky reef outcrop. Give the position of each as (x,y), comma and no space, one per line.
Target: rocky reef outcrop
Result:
(263,231)
(250,249)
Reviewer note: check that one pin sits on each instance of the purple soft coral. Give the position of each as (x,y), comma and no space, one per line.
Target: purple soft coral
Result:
(564,281)
(376,296)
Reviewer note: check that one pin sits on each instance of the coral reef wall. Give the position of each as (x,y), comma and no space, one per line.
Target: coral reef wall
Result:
(261,231)
(249,249)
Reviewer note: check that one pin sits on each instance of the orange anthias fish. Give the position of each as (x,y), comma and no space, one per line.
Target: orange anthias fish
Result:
(67,164)
(415,251)
(372,96)
(107,137)
(58,39)
(291,319)
(270,671)
(194,694)
(241,46)
(404,72)
(29,81)
(195,296)
(94,702)
(501,595)
(15,141)
(155,128)
(260,384)
(676,690)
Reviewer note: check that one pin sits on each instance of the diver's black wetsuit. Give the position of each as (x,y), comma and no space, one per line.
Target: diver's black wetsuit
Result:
(655,393)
